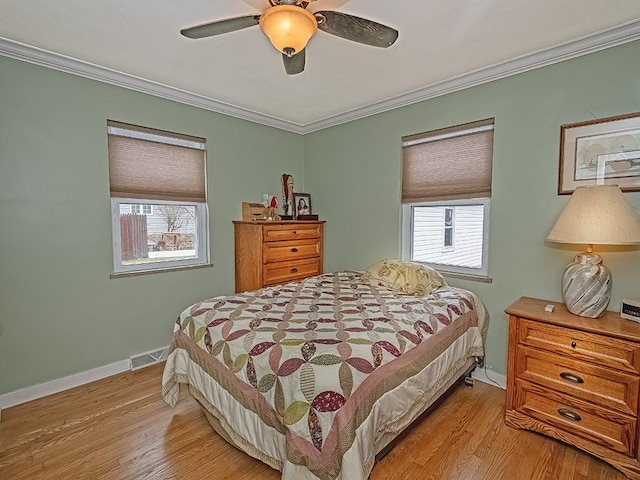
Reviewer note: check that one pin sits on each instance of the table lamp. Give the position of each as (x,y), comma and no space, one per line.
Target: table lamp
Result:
(594,215)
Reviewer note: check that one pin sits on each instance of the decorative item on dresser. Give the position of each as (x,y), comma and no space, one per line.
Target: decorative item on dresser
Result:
(575,379)
(302,207)
(287,197)
(269,253)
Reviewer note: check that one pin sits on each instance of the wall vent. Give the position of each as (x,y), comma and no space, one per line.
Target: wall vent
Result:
(151,357)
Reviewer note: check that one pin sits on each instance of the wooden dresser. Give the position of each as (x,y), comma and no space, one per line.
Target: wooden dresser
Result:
(269,253)
(576,379)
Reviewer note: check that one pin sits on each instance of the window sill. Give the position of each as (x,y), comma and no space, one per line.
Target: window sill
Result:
(467,276)
(158,270)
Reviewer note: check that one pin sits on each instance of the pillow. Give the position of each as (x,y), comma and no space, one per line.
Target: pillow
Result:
(408,277)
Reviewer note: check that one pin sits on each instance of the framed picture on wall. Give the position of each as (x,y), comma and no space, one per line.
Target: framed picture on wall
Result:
(302,204)
(600,152)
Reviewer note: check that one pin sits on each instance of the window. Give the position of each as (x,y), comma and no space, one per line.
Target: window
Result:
(139,209)
(158,199)
(446,190)
(448,228)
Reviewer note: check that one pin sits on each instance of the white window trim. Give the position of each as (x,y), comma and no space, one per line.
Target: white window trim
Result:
(201,240)
(155,137)
(443,136)
(407,235)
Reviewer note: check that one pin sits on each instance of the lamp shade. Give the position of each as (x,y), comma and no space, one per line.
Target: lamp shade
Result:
(288,27)
(597,215)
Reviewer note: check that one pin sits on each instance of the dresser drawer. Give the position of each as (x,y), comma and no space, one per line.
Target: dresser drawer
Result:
(282,272)
(590,347)
(274,233)
(598,425)
(291,250)
(583,380)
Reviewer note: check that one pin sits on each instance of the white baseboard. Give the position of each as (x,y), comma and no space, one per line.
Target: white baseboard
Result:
(54,386)
(34,392)
(491,377)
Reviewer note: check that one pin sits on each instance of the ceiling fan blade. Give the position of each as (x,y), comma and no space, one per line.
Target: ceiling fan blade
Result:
(221,26)
(356,29)
(294,65)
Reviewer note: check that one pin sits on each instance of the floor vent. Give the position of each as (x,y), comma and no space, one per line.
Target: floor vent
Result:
(151,357)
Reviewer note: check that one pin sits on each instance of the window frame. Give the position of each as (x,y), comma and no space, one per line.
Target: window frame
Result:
(408,230)
(150,167)
(201,238)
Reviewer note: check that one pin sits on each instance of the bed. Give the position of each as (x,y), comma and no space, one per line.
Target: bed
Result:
(315,378)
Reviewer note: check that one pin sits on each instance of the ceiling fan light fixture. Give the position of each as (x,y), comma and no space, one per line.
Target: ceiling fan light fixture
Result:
(288,27)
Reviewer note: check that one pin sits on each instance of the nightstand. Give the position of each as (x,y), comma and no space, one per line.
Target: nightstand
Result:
(576,379)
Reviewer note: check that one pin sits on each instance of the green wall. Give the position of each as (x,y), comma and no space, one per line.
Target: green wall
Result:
(60,313)
(353,172)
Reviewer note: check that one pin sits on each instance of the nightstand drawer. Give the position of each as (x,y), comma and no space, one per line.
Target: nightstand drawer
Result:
(283,272)
(291,250)
(583,380)
(590,347)
(272,233)
(598,425)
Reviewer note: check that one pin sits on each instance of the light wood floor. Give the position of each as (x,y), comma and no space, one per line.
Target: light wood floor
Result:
(119,428)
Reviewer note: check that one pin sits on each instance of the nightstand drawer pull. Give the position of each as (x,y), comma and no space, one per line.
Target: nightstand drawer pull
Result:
(571,377)
(294,250)
(573,344)
(566,413)
(294,270)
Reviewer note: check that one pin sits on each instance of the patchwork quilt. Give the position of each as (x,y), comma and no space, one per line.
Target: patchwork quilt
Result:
(310,359)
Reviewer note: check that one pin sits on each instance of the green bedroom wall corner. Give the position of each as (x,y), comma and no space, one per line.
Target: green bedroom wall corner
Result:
(358,165)
(61,312)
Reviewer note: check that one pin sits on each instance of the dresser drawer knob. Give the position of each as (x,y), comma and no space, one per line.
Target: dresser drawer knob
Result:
(294,250)
(293,270)
(566,413)
(571,377)
(573,344)
(295,232)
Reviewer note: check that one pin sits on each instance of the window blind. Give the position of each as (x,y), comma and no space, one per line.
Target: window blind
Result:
(448,164)
(155,165)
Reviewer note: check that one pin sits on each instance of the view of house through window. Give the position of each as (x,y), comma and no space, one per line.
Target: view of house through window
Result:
(158,199)
(434,245)
(168,229)
(138,209)
(446,190)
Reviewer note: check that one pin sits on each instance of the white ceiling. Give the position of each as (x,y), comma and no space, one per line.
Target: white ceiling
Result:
(444,45)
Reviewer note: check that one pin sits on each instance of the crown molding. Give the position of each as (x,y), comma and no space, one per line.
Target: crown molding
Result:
(619,35)
(625,33)
(63,63)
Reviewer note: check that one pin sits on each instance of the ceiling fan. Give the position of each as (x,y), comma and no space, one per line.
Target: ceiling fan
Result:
(289,26)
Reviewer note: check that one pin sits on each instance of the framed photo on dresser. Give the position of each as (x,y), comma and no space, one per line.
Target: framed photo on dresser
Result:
(302,204)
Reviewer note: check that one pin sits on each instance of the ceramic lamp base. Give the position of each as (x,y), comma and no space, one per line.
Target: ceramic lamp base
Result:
(586,286)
